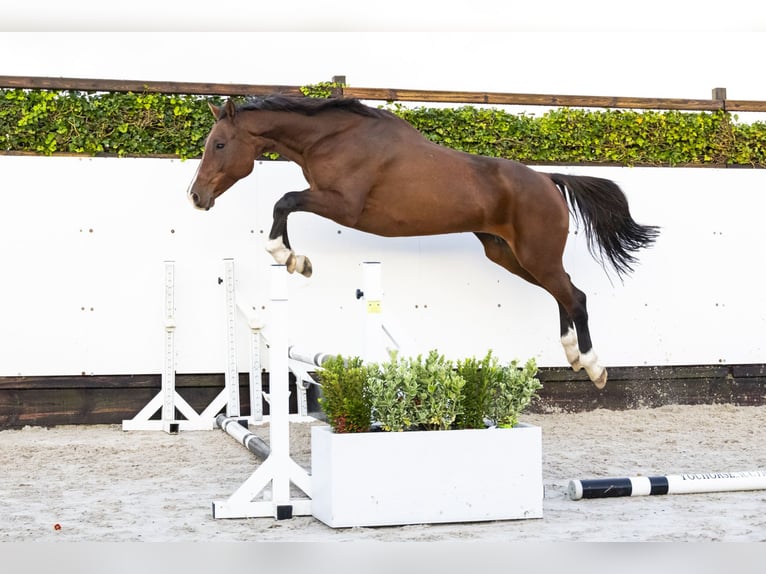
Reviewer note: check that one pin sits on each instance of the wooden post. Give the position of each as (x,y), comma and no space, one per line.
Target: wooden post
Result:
(340,81)
(719,93)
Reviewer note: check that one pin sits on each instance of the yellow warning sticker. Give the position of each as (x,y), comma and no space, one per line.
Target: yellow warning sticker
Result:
(374,307)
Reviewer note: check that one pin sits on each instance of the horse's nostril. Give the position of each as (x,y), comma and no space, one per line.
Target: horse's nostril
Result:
(194,197)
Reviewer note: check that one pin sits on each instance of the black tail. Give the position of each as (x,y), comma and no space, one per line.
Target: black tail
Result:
(609,228)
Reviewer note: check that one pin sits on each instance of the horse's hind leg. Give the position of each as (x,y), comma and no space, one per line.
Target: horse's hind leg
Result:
(573,302)
(580,336)
(573,315)
(498,251)
(569,339)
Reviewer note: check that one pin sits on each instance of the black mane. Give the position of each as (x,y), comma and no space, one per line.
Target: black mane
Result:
(310,106)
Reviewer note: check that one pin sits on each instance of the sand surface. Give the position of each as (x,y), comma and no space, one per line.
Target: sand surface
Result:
(98,483)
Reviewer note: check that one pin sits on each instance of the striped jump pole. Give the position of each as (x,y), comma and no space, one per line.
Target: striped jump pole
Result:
(310,358)
(237,428)
(669,484)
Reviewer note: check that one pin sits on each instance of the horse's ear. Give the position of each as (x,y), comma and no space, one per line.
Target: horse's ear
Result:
(230,108)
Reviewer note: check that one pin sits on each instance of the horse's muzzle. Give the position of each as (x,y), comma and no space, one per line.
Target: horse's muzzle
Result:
(200,203)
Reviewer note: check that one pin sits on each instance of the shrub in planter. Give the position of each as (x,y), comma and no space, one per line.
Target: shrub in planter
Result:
(495,394)
(481,377)
(513,393)
(393,389)
(345,396)
(415,393)
(390,478)
(425,393)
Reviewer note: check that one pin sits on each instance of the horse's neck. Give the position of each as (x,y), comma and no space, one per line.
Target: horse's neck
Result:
(294,133)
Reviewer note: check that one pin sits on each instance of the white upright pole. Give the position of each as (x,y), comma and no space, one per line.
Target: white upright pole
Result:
(232,371)
(169,365)
(279,392)
(256,387)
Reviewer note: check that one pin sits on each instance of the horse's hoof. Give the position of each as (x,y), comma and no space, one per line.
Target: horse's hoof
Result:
(600,382)
(576,365)
(308,269)
(291,263)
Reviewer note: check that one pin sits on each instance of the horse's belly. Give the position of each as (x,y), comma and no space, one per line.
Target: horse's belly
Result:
(400,219)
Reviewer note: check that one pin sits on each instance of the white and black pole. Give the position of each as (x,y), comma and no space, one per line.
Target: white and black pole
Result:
(237,428)
(668,484)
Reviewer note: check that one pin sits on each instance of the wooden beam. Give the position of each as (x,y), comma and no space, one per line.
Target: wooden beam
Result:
(381,94)
(495,98)
(745,106)
(137,86)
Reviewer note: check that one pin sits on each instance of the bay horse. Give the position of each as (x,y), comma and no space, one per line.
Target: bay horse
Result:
(370,170)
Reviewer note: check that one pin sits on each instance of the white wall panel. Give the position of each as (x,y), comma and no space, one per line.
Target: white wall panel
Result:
(83,241)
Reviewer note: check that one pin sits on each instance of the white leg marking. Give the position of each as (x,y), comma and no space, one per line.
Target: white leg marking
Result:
(278,251)
(572,351)
(589,360)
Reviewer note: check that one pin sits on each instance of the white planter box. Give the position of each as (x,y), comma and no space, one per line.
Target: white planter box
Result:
(390,478)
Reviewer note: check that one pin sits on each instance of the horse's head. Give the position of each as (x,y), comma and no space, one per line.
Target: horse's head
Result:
(228,157)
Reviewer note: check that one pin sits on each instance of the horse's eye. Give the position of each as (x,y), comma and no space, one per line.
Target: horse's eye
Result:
(220,145)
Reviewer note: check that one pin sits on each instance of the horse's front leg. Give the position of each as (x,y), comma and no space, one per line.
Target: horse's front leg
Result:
(279,244)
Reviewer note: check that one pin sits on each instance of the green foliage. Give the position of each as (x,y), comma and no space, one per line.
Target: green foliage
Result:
(481,377)
(345,397)
(132,124)
(426,393)
(515,389)
(48,122)
(321,90)
(623,137)
(393,389)
(494,392)
(415,393)
(439,397)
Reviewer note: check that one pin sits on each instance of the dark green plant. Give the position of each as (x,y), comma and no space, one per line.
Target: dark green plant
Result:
(345,398)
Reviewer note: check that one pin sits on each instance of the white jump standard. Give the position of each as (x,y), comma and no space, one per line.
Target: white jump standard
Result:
(252,498)
(669,484)
(168,400)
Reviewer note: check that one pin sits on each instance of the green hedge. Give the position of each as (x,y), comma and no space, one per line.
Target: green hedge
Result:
(623,137)
(48,122)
